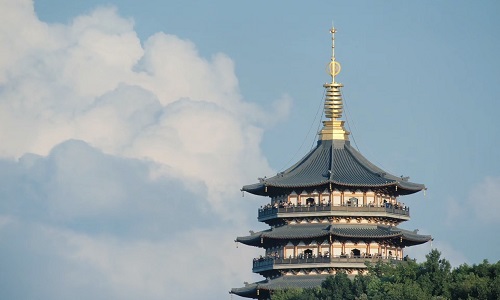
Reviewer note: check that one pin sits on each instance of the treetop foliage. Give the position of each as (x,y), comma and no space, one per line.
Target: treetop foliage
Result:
(432,279)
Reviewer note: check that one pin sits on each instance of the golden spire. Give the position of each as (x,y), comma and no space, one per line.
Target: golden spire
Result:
(333,129)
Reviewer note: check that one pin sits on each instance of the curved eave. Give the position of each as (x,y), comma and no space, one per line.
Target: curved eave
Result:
(248,291)
(256,189)
(251,240)
(300,232)
(269,188)
(414,239)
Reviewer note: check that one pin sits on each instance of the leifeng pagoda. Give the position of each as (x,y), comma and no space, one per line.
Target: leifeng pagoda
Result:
(331,211)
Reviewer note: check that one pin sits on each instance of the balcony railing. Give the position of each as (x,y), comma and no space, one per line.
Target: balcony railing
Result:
(393,209)
(268,262)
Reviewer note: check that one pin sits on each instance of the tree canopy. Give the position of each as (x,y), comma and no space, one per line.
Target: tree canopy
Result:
(432,279)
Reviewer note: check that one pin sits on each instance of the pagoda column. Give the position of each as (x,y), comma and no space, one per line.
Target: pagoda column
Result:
(331,247)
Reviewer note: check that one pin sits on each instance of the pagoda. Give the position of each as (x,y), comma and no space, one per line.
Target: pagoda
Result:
(330,212)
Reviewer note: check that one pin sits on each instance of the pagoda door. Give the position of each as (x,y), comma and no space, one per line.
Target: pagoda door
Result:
(356,253)
(308,253)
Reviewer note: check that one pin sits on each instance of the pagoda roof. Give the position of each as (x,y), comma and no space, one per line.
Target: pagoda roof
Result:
(334,163)
(283,282)
(345,231)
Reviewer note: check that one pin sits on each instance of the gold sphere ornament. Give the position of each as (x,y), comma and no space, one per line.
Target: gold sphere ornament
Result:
(333,68)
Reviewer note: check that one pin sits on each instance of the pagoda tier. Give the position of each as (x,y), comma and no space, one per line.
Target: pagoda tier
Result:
(333,164)
(296,247)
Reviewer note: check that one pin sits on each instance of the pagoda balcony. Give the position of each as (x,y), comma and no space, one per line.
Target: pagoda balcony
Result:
(389,211)
(262,265)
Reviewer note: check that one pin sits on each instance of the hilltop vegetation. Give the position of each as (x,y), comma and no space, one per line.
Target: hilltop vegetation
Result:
(432,279)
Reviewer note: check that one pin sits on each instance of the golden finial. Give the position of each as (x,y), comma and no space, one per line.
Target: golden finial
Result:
(333,128)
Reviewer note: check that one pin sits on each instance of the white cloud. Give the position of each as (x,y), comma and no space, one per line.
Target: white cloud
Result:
(121,161)
(484,200)
(448,252)
(454,211)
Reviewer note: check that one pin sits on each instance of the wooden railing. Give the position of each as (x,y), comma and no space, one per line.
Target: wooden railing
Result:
(259,263)
(272,211)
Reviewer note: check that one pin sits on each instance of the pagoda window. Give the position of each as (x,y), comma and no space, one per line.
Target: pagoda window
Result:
(337,198)
(310,201)
(323,247)
(325,196)
(353,201)
(343,197)
(373,248)
(292,198)
(288,252)
(370,199)
(337,250)
(302,198)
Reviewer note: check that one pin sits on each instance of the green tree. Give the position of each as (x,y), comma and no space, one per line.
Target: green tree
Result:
(470,286)
(476,282)
(374,288)
(338,287)
(287,294)
(435,274)
(360,285)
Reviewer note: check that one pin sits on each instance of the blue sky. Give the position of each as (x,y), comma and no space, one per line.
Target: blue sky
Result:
(128,128)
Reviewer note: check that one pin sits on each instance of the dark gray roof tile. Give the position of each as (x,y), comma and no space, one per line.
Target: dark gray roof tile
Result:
(337,163)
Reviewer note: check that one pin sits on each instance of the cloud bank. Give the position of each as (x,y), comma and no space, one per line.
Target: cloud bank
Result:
(121,161)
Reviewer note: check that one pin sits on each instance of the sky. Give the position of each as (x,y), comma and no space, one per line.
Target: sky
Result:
(129,127)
